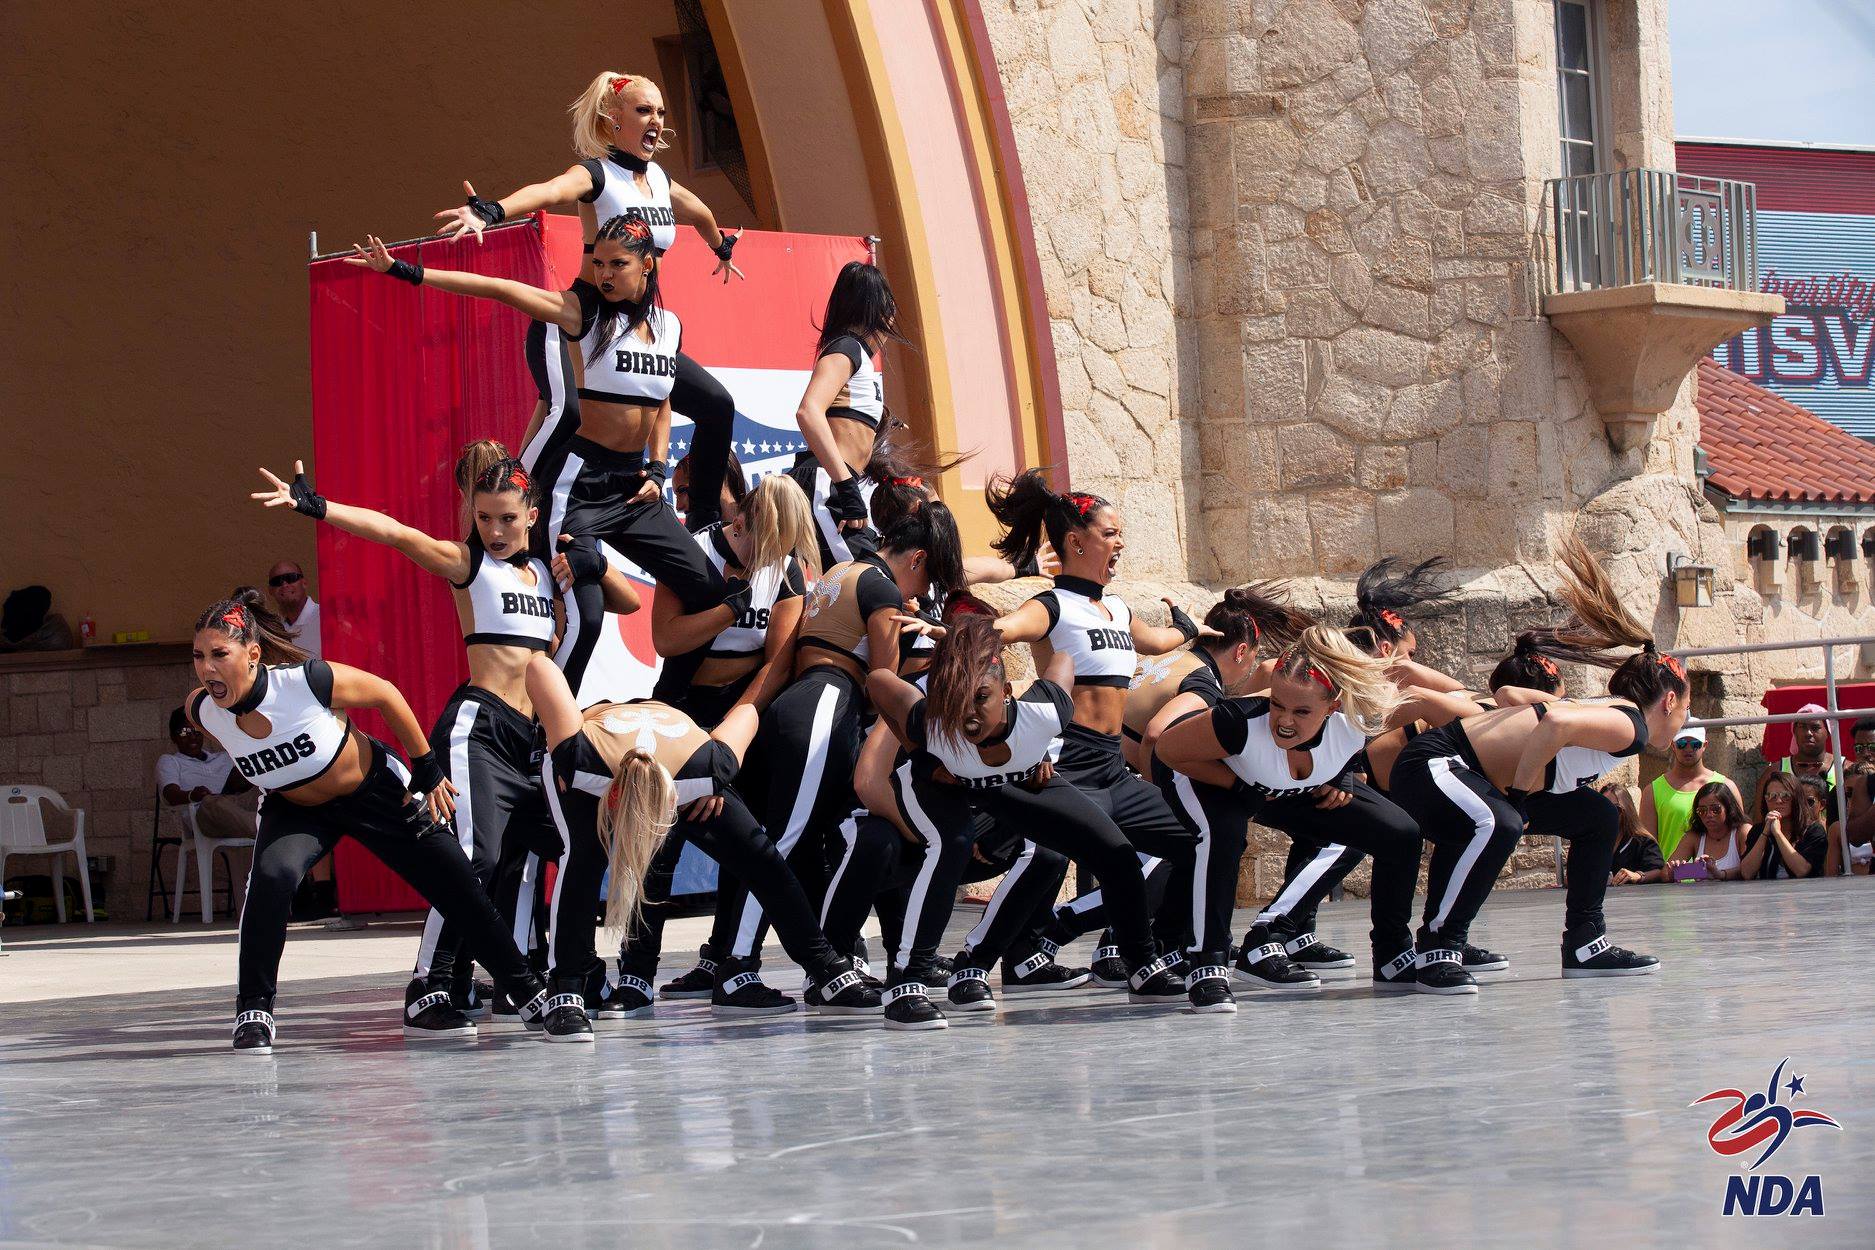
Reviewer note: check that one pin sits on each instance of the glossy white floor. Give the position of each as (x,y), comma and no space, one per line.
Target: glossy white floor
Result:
(1541,1112)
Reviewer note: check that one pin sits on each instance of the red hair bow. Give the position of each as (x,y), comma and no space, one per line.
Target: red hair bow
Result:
(237,619)
(1546,664)
(907,481)
(1393,618)
(1673,665)
(1316,674)
(619,83)
(518,480)
(1084,504)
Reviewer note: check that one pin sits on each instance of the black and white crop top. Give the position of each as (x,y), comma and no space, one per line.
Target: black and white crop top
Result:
(863,397)
(1102,646)
(1242,727)
(1575,767)
(306,735)
(625,369)
(615,193)
(843,601)
(1032,732)
(503,609)
(748,635)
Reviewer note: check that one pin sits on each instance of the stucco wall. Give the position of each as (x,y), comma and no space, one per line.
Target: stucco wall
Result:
(164,164)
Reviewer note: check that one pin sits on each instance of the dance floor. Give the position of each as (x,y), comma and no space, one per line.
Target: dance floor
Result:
(1541,1112)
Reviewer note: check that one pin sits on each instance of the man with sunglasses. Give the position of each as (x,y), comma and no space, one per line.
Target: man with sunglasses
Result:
(1667,804)
(301,611)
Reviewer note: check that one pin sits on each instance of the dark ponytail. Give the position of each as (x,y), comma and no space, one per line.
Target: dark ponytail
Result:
(1257,613)
(967,656)
(1030,511)
(1598,627)
(1528,666)
(860,305)
(933,530)
(245,617)
(1387,589)
(635,236)
(903,472)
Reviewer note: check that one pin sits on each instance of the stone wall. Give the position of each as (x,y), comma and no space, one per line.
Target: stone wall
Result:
(91,726)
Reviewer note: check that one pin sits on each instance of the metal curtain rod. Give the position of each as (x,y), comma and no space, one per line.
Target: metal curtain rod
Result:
(532,219)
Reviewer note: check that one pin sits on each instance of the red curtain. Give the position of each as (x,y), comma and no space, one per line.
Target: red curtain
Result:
(1784,700)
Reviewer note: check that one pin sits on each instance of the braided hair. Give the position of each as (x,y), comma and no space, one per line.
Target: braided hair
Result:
(1030,511)
(246,618)
(634,236)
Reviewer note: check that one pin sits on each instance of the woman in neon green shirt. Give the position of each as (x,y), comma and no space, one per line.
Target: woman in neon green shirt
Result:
(1667,804)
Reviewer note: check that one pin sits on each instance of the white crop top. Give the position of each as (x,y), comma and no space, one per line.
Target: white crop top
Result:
(615,193)
(625,369)
(307,734)
(1032,734)
(1243,729)
(1102,647)
(749,634)
(1575,767)
(863,397)
(503,609)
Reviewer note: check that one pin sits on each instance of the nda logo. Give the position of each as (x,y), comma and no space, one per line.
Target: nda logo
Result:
(1763,1122)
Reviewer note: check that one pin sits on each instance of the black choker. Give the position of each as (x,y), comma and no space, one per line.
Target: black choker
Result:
(637,164)
(255,693)
(1079,585)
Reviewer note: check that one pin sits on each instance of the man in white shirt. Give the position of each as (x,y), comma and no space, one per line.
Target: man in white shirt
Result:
(288,585)
(193,774)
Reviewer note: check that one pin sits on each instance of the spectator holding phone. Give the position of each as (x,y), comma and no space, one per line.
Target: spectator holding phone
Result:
(1667,804)
(1638,860)
(1713,844)
(1789,839)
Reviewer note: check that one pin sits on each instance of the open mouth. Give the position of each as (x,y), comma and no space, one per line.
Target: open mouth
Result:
(1113,562)
(497,548)
(1285,731)
(650,140)
(972,727)
(217,690)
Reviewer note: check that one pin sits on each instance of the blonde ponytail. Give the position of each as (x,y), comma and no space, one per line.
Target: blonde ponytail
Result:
(780,522)
(639,808)
(596,110)
(1358,679)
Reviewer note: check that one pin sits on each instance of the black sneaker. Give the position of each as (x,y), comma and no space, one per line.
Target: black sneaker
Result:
(696,983)
(532,1014)
(1040,972)
(1108,969)
(908,1007)
(628,1000)
(1265,967)
(1399,975)
(1598,957)
(431,1015)
(1477,960)
(936,974)
(739,992)
(844,994)
(1156,984)
(502,1010)
(1329,963)
(565,1019)
(253,1032)
(1441,970)
(1208,989)
(969,988)
(475,1002)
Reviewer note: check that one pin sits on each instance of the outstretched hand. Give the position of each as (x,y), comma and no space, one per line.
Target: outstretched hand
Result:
(298,494)
(728,269)
(461,219)
(372,254)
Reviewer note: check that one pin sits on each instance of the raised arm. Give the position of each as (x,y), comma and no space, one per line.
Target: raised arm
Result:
(579,561)
(691,211)
(673,632)
(440,556)
(559,308)
(478,214)
(1412,673)
(1159,639)
(353,688)
(1522,696)
(1191,747)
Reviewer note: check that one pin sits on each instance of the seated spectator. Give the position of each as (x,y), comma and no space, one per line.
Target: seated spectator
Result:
(1716,840)
(226,806)
(1810,740)
(1637,856)
(1789,839)
(1667,804)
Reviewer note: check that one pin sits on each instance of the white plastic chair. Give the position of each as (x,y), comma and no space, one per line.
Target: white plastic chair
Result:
(205,850)
(23,832)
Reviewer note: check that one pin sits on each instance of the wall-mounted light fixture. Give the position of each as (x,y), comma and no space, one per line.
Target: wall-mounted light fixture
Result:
(1804,545)
(1868,542)
(1764,544)
(1692,583)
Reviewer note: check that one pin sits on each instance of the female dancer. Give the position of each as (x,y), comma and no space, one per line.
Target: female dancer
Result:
(804,756)
(1473,784)
(618,128)
(617,777)
(1718,833)
(603,485)
(737,654)
(507,610)
(971,744)
(1077,617)
(280,715)
(1290,761)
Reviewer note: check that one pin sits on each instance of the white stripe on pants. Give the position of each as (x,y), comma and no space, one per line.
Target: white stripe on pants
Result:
(1483,823)
(819,737)
(1291,895)
(467,713)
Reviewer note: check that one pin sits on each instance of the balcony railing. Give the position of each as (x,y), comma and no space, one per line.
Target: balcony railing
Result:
(1649,225)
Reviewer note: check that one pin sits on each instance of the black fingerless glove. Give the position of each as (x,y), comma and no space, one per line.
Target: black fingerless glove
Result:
(727,247)
(1183,623)
(657,471)
(490,211)
(425,774)
(844,502)
(306,500)
(404,271)
(738,596)
(583,557)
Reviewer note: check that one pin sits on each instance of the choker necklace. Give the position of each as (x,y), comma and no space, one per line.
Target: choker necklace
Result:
(255,693)
(637,164)
(1079,585)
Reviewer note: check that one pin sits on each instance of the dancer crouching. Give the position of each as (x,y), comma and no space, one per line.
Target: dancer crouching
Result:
(279,715)
(618,777)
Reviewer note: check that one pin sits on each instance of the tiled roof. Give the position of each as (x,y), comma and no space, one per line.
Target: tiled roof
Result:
(1763,447)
